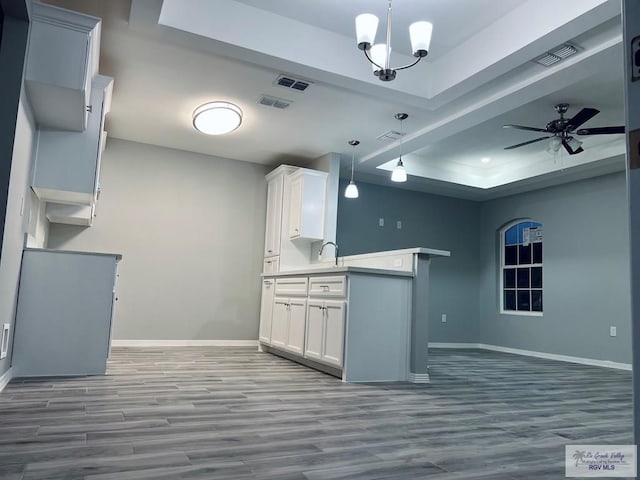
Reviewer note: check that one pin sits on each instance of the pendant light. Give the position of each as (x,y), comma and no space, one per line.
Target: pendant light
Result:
(352,189)
(399,174)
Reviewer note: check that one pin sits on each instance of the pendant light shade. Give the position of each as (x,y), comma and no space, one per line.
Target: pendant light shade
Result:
(420,34)
(352,189)
(399,173)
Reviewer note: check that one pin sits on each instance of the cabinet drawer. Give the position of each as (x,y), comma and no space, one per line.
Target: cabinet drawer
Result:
(271,265)
(328,286)
(292,286)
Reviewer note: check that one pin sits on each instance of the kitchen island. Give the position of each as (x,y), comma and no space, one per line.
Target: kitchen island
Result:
(364,320)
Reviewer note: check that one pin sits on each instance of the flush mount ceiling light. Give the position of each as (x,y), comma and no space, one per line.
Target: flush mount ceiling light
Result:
(380,54)
(399,174)
(217,118)
(352,189)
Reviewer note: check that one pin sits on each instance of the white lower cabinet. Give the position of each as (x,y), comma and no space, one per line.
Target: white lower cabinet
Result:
(266,310)
(288,324)
(325,331)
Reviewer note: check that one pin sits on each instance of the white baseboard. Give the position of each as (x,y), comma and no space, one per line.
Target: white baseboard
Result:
(531,353)
(418,378)
(184,343)
(6,378)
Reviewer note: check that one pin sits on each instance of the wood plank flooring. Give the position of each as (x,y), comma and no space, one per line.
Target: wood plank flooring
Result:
(235,413)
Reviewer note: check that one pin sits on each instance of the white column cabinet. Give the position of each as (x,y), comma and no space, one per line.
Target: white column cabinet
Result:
(266,310)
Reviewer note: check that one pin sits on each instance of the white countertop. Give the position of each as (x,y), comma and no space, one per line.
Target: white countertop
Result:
(419,250)
(54,250)
(338,270)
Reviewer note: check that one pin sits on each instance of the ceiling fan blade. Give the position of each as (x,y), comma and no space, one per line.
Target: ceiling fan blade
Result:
(581,117)
(570,150)
(527,143)
(521,127)
(600,130)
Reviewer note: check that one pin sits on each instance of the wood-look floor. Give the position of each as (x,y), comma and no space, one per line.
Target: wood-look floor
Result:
(234,413)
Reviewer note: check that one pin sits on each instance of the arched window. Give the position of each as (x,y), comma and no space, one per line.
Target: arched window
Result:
(521,268)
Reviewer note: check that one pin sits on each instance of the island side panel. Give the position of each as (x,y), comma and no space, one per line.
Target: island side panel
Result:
(378,328)
(420,320)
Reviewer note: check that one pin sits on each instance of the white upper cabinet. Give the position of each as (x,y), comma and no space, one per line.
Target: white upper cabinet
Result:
(61,63)
(67,166)
(306,207)
(275,188)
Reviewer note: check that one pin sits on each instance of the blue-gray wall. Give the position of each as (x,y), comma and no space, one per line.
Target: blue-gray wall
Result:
(427,221)
(586,262)
(585,273)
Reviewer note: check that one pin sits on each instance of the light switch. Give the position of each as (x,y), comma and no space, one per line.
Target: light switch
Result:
(381,222)
(399,225)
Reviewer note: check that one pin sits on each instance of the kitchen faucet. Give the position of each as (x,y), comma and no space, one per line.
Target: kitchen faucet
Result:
(335,248)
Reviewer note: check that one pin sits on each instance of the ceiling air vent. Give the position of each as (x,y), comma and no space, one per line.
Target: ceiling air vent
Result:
(557,54)
(294,83)
(391,136)
(274,102)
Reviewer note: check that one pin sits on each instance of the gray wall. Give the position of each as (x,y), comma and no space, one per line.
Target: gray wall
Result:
(427,221)
(16,141)
(585,273)
(190,228)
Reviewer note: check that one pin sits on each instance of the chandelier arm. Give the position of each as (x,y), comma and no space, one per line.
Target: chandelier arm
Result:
(371,60)
(409,65)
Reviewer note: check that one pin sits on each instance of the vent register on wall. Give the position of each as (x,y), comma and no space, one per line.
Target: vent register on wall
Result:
(70,101)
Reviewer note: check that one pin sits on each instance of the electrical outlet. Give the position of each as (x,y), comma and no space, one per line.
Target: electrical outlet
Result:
(397,262)
(613,331)
(381,222)
(399,225)
(444,318)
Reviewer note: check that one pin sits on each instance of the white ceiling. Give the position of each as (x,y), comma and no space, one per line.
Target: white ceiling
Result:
(168,57)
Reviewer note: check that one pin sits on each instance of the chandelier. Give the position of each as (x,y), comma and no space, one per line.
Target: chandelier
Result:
(380,54)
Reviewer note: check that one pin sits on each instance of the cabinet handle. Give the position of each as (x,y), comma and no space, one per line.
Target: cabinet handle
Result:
(269,251)
(90,108)
(269,262)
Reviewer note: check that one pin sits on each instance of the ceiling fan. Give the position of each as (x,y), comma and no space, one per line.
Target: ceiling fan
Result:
(562,130)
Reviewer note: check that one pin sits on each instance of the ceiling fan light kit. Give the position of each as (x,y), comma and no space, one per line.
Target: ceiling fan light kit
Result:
(562,130)
(380,54)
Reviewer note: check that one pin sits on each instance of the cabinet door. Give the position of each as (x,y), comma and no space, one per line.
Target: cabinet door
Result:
(274,217)
(297,317)
(315,330)
(280,322)
(334,314)
(266,310)
(295,208)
